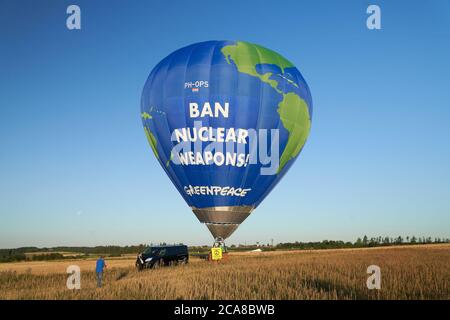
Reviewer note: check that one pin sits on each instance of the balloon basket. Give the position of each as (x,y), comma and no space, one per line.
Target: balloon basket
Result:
(218,251)
(223,259)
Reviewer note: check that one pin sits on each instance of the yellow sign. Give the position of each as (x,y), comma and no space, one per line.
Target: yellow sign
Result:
(216,253)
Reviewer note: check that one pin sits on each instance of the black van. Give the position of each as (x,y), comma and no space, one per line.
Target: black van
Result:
(155,257)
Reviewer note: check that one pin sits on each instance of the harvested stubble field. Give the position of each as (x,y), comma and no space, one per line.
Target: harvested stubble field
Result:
(419,272)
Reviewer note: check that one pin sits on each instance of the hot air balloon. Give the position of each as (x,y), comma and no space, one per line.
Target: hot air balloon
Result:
(226,120)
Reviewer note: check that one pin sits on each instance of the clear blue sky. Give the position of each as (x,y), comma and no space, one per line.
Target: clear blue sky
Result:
(76,169)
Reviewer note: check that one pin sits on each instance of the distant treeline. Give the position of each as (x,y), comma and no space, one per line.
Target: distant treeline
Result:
(13,256)
(20,254)
(41,254)
(363,242)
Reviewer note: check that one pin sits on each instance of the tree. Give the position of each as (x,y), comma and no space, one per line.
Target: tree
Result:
(365,242)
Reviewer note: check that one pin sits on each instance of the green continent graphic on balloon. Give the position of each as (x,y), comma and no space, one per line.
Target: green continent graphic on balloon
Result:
(293,110)
(150,136)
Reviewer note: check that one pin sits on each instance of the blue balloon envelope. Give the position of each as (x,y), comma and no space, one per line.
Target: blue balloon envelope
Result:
(226,120)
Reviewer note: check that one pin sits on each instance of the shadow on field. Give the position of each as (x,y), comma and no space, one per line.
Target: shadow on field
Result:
(332,287)
(121,273)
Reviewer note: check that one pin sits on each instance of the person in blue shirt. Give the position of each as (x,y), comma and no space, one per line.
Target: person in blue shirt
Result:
(100,266)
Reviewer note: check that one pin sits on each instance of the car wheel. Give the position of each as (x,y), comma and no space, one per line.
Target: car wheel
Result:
(157,264)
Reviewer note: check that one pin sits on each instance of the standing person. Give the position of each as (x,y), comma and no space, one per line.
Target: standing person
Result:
(99,267)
